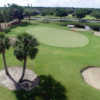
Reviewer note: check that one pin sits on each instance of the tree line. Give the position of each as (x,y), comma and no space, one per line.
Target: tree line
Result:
(11,12)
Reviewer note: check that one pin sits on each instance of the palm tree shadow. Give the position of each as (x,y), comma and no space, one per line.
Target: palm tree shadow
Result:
(48,89)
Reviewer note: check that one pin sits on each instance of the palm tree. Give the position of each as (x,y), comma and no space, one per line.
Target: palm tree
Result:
(4,45)
(25,46)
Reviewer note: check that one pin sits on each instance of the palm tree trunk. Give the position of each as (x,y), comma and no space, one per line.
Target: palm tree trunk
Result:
(6,68)
(24,69)
(5,65)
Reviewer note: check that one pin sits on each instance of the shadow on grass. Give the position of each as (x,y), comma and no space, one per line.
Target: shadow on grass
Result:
(48,89)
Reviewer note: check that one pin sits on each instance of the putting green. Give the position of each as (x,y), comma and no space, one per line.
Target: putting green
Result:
(58,37)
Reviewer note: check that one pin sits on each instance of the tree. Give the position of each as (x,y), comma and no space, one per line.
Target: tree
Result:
(11,12)
(25,46)
(44,12)
(16,12)
(1,20)
(4,45)
(28,13)
(61,12)
(6,16)
(96,14)
(80,13)
(1,16)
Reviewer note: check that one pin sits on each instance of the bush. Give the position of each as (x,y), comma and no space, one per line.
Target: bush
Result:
(79,25)
(94,26)
(7,30)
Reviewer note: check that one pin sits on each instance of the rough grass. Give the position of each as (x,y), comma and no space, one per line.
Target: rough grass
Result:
(64,65)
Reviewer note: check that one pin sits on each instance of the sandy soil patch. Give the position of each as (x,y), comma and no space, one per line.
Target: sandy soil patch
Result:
(92,76)
(16,73)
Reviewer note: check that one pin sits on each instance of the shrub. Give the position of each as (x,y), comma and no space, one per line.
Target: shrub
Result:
(7,30)
(94,26)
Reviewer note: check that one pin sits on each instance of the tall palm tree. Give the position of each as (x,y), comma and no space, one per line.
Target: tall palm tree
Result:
(4,45)
(25,46)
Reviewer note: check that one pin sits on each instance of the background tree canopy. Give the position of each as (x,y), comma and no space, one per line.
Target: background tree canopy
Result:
(14,11)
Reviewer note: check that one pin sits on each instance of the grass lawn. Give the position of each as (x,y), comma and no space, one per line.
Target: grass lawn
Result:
(63,64)
(89,17)
(58,37)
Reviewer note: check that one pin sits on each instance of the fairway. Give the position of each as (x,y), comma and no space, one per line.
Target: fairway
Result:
(49,50)
(58,37)
(63,64)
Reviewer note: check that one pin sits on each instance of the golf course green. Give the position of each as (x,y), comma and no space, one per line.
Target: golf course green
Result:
(58,37)
(61,61)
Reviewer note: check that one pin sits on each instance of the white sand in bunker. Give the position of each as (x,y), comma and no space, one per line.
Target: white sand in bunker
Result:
(92,76)
(16,73)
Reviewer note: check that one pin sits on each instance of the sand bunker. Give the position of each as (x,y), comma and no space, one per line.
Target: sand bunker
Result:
(16,73)
(92,76)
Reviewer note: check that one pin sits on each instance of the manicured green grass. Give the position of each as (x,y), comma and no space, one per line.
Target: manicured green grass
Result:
(53,36)
(89,17)
(63,64)
(58,37)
